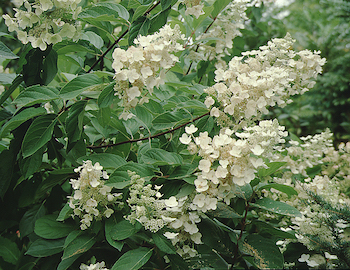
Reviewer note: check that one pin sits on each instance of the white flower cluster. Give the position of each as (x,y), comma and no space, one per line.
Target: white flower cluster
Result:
(261,78)
(309,153)
(194,7)
(155,213)
(228,161)
(44,22)
(91,196)
(95,266)
(144,65)
(224,30)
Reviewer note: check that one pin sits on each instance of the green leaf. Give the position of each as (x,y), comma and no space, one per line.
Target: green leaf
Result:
(159,157)
(133,259)
(7,78)
(143,116)
(27,223)
(9,250)
(74,121)
(49,67)
(169,120)
(139,27)
(105,12)
(163,243)
(20,118)
(38,134)
(165,4)
(79,245)
(140,11)
(273,167)
(6,53)
(64,213)
(106,97)
(276,207)
(79,84)
(244,192)
(109,224)
(36,94)
(160,20)
(120,178)
(283,188)
(47,227)
(106,160)
(31,164)
(215,238)
(224,211)
(219,5)
(34,70)
(267,228)
(93,38)
(123,230)
(265,252)
(16,82)
(44,248)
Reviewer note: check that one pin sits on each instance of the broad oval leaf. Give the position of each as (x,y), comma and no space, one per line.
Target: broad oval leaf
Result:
(155,156)
(74,121)
(9,250)
(20,118)
(163,243)
(105,11)
(276,207)
(106,160)
(49,228)
(36,94)
(44,248)
(224,211)
(133,259)
(38,134)
(264,251)
(123,230)
(6,53)
(283,188)
(79,84)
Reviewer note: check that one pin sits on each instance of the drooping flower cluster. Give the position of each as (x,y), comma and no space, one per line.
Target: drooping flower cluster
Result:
(228,161)
(94,266)
(224,30)
(44,22)
(172,214)
(91,196)
(261,78)
(144,65)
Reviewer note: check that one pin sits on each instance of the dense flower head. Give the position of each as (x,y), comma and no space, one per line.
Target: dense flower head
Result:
(143,65)
(231,158)
(91,196)
(44,22)
(261,78)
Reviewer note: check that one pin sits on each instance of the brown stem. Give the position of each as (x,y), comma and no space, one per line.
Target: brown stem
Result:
(109,48)
(148,138)
(206,30)
(241,233)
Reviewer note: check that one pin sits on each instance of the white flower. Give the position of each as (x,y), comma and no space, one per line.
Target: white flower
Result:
(195,10)
(170,235)
(204,165)
(185,139)
(191,129)
(171,202)
(330,257)
(304,258)
(201,184)
(257,150)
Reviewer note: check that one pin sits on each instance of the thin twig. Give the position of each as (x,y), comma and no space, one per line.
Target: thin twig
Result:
(147,138)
